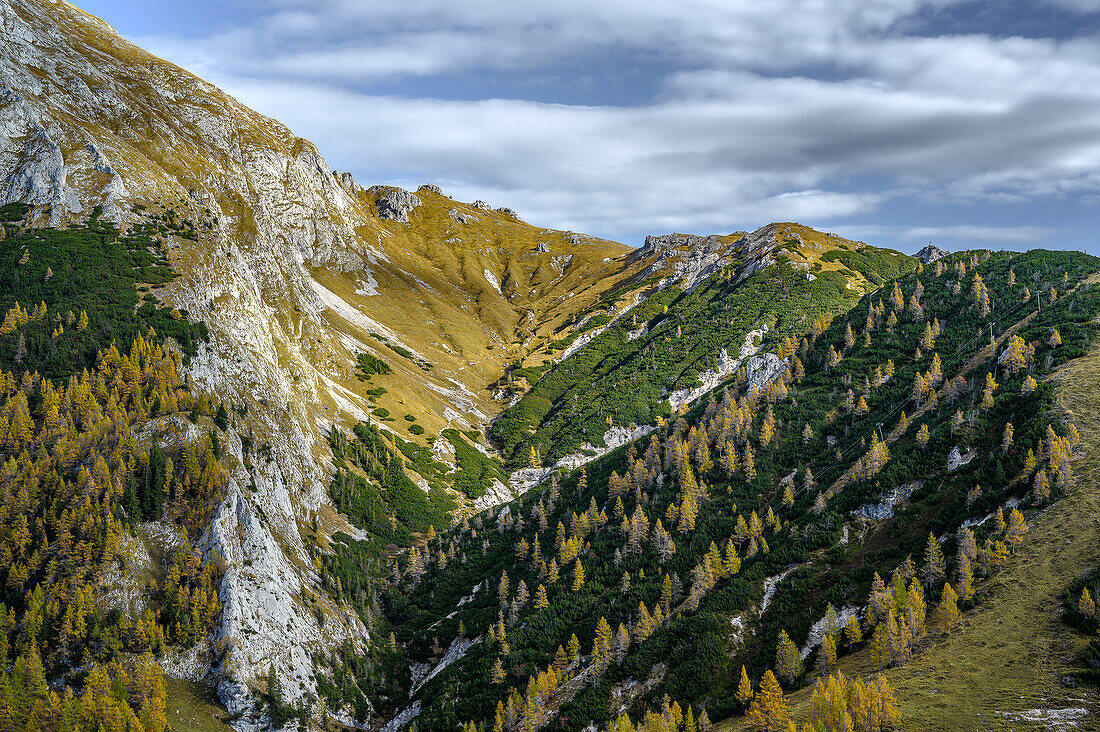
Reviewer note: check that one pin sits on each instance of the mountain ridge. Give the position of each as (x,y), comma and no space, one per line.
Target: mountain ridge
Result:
(509,346)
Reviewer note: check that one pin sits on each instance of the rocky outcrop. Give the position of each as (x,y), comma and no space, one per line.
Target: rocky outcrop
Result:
(348,183)
(884,509)
(430,188)
(760,370)
(821,628)
(654,245)
(460,217)
(396,204)
(957,459)
(526,478)
(31,159)
(931,253)
(764,369)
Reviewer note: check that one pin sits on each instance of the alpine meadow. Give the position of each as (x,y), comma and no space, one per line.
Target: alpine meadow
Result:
(280,450)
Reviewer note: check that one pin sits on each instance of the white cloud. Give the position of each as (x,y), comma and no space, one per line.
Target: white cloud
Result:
(962,236)
(789,109)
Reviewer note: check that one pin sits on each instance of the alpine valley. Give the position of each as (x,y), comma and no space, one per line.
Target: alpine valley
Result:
(282,451)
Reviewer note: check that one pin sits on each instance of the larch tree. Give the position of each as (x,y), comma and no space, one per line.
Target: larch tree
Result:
(744,688)
(948,611)
(826,655)
(578,576)
(1017,530)
(573,649)
(768,711)
(788,661)
(966,582)
(987,391)
(1015,356)
(923,436)
(878,604)
(935,568)
(601,644)
(852,632)
(1086,605)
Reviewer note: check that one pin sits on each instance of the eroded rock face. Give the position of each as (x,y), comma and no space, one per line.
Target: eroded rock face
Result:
(87,119)
(348,183)
(460,217)
(931,253)
(396,205)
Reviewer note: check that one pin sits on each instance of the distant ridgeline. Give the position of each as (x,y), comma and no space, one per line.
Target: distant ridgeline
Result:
(900,417)
(83,370)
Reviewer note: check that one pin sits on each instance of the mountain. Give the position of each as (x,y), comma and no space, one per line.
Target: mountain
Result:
(737,524)
(930,253)
(364,455)
(292,268)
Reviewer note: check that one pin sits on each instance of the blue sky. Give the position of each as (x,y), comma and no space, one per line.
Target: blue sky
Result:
(897,122)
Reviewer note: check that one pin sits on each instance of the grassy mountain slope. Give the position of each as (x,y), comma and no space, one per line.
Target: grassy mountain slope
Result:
(695,656)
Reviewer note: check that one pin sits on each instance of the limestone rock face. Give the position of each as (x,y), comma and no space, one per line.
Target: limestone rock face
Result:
(954,459)
(396,205)
(460,217)
(87,119)
(931,253)
(348,183)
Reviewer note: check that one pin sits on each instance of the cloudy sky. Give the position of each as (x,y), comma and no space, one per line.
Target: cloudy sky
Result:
(893,121)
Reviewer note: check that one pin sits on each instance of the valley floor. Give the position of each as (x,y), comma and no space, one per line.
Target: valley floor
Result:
(1002,669)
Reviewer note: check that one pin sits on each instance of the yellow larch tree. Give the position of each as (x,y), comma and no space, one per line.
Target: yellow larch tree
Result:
(744,688)
(768,711)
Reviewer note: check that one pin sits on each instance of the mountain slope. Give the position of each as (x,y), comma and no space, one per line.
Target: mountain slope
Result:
(831,505)
(338,364)
(1016,626)
(249,214)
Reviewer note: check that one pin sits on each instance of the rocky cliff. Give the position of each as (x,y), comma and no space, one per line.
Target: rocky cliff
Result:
(293,268)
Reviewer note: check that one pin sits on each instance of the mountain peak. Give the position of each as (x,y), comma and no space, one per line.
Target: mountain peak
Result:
(931,253)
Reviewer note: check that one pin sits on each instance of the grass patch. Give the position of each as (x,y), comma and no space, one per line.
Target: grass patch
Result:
(192,707)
